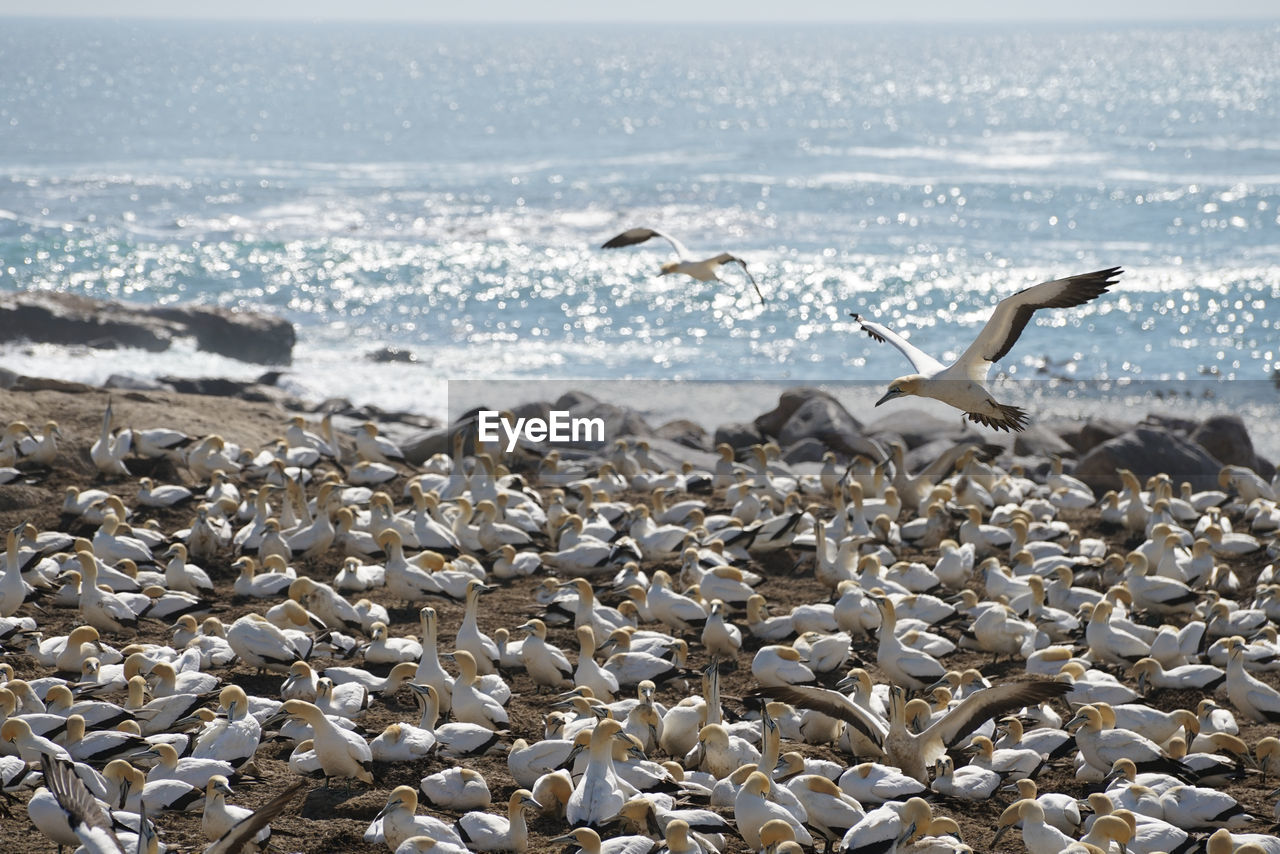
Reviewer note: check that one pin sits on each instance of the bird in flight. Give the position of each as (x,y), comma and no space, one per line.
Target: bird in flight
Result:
(706,270)
(961,384)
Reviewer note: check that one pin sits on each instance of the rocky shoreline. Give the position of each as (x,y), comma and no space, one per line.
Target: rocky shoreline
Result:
(807,423)
(48,317)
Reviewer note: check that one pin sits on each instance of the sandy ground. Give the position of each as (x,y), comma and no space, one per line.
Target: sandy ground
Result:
(334,820)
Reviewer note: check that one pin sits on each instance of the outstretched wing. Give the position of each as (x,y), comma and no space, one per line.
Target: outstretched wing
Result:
(87,818)
(981,706)
(1014,313)
(243,831)
(831,703)
(632,236)
(726,258)
(920,360)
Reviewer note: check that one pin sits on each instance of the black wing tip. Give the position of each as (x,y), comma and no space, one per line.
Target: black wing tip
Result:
(1012,418)
(630,237)
(1090,286)
(1047,688)
(874,336)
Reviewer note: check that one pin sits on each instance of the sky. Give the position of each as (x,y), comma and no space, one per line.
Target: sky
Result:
(670,11)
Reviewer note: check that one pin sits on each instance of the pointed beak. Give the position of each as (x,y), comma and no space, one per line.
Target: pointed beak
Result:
(846,684)
(936,685)
(275,720)
(888,395)
(907,832)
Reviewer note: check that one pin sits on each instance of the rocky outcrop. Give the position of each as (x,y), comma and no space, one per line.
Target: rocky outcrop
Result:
(619,421)
(385,355)
(739,436)
(69,319)
(1087,436)
(1148,451)
(823,418)
(684,432)
(49,384)
(803,414)
(1226,437)
(808,450)
(772,422)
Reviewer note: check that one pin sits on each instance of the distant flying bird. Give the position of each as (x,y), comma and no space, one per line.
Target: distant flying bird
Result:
(706,270)
(960,384)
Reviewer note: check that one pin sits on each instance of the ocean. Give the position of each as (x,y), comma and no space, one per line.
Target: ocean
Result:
(445,191)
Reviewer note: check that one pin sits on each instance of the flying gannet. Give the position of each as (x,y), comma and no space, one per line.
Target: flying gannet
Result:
(961,384)
(706,270)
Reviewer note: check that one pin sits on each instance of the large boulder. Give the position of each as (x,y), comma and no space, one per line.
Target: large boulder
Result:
(70,319)
(244,335)
(772,422)
(822,417)
(739,436)
(54,318)
(533,409)
(1226,437)
(805,451)
(1265,468)
(619,421)
(1147,451)
(684,432)
(1089,434)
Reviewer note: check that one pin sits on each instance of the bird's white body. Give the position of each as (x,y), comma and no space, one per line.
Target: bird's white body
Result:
(702,270)
(962,384)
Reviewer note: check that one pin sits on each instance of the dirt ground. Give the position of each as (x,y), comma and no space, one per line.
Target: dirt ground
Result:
(334,820)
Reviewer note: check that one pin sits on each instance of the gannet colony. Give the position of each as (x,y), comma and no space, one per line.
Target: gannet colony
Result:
(287,634)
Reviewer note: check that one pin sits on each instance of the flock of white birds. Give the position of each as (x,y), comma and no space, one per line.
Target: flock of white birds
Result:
(638,751)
